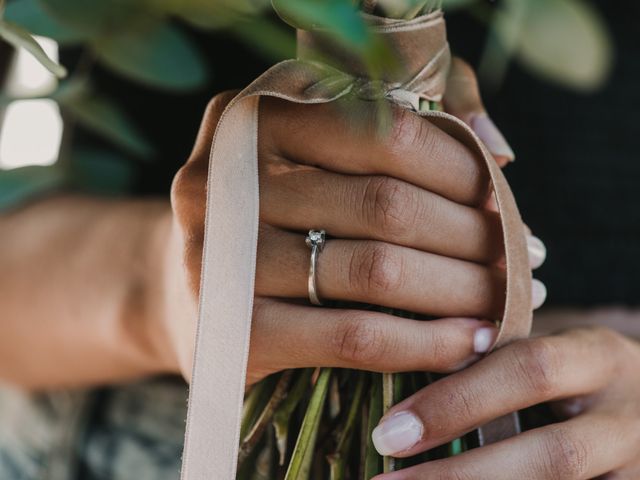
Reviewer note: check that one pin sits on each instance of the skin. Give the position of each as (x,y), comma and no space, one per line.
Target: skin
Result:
(406,209)
(590,376)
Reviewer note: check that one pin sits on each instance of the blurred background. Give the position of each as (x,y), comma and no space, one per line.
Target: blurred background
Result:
(106,98)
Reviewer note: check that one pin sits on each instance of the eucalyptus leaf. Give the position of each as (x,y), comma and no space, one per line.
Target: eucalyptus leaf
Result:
(103,117)
(338,17)
(271,39)
(155,53)
(21,184)
(101,171)
(449,5)
(407,9)
(31,15)
(504,36)
(209,14)
(96,18)
(20,38)
(566,41)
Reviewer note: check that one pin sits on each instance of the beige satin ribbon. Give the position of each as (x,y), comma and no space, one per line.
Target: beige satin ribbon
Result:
(231,230)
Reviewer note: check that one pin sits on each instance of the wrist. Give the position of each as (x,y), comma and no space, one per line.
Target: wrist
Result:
(148,319)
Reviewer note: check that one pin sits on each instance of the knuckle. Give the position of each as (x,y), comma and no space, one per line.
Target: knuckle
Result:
(568,455)
(457,402)
(218,103)
(375,268)
(187,197)
(409,132)
(443,350)
(358,340)
(539,363)
(388,205)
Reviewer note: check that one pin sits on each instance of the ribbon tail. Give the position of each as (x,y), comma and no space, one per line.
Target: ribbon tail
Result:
(226,297)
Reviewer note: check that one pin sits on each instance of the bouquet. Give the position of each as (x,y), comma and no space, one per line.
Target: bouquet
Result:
(317,423)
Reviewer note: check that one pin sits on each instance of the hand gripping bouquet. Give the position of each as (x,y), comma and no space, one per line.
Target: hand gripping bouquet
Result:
(317,423)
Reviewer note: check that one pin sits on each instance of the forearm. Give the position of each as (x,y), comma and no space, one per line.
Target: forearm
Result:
(81,291)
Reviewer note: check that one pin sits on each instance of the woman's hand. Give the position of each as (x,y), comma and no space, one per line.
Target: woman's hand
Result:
(592,378)
(408,229)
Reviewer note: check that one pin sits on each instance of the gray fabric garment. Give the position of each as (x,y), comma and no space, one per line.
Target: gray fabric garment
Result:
(128,432)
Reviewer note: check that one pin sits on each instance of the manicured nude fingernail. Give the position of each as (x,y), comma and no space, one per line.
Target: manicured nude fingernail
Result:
(491,136)
(573,407)
(397,433)
(537,251)
(484,338)
(538,293)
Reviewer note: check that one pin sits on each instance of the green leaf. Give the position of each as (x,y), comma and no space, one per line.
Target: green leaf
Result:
(95,18)
(407,9)
(21,184)
(101,171)
(302,457)
(103,117)
(20,38)
(450,5)
(502,42)
(566,41)
(209,14)
(30,15)
(271,39)
(339,17)
(154,53)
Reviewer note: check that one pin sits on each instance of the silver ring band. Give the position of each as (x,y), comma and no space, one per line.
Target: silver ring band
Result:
(315,240)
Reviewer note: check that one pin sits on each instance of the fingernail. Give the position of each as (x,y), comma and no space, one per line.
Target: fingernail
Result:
(573,407)
(538,293)
(537,251)
(397,433)
(491,136)
(484,338)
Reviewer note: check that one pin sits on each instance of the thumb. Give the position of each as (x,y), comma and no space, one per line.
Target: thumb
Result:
(462,100)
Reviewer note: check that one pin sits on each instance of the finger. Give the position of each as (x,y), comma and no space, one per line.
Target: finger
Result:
(379,273)
(462,99)
(378,208)
(520,375)
(188,190)
(294,336)
(412,149)
(210,119)
(578,449)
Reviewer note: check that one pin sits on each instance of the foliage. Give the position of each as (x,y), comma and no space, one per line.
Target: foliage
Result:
(564,41)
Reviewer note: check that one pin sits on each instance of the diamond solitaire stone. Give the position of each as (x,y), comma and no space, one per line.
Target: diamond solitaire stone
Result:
(315,238)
